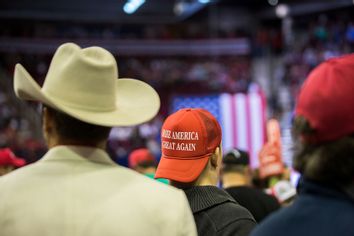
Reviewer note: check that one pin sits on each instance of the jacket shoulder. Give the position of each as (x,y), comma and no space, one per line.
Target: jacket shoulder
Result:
(230,218)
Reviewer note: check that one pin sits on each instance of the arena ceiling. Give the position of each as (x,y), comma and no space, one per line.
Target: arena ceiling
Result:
(152,11)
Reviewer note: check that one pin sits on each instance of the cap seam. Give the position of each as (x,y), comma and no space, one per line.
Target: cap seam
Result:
(205,136)
(187,158)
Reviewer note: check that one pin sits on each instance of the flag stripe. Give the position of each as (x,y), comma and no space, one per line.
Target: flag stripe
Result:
(249,129)
(234,121)
(226,121)
(241,122)
(256,127)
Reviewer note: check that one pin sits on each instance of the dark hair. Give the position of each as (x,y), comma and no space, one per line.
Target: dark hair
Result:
(68,127)
(233,168)
(330,162)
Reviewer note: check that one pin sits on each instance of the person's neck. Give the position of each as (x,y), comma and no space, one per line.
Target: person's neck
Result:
(205,182)
(207,179)
(67,142)
(234,180)
(202,180)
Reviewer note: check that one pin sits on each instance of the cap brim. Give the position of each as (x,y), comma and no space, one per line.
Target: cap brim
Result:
(18,162)
(136,101)
(181,170)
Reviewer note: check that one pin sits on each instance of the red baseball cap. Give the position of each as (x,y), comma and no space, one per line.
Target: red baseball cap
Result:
(139,156)
(188,138)
(8,158)
(326,99)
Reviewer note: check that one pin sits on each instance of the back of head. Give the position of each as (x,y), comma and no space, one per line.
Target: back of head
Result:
(188,138)
(235,161)
(235,169)
(71,129)
(324,123)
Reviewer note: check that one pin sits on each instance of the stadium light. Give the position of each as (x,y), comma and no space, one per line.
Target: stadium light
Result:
(179,8)
(282,10)
(132,5)
(207,1)
(274,2)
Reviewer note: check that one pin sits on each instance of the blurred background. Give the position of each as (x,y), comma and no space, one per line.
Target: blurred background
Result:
(243,60)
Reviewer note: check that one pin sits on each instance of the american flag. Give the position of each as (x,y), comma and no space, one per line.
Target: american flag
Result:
(242,118)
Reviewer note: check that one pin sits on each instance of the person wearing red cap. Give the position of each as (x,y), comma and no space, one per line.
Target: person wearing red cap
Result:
(9,162)
(324,131)
(142,161)
(191,160)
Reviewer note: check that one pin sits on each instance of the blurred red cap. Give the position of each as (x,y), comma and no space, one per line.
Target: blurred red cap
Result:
(326,100)
(138,156)
(8,158)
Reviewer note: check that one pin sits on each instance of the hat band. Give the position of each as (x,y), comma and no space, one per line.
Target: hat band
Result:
(187,158)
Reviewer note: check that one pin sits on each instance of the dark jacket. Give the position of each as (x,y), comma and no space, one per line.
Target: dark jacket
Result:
(255,200)
(318,210)
(217,213)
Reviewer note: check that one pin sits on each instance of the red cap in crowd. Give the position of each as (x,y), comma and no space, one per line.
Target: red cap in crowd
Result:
(326,99)
(8,158)
(139,156)
(188,138)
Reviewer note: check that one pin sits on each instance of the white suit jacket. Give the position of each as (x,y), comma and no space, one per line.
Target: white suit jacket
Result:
(79,191)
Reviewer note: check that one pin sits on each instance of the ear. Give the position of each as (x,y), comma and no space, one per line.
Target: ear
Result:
(215,158)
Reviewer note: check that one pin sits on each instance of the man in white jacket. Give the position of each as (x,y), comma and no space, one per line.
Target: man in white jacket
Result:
(75,189)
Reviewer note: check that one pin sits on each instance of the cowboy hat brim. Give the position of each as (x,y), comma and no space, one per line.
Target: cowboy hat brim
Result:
(136,101)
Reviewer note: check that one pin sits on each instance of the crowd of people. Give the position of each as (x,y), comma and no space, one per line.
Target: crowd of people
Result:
(227,74)
(76,189)
(168,76)
(224,73)
(16,131)
(315,41)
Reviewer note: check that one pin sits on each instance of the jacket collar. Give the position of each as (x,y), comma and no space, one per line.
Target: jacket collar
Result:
(77,153)
(307,186)
(203,197)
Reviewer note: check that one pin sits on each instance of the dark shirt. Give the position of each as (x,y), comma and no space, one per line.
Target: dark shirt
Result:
(255,200)
(217,213)
(319,209)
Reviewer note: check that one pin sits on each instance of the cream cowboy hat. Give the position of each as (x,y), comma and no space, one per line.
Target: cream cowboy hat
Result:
(84,84)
